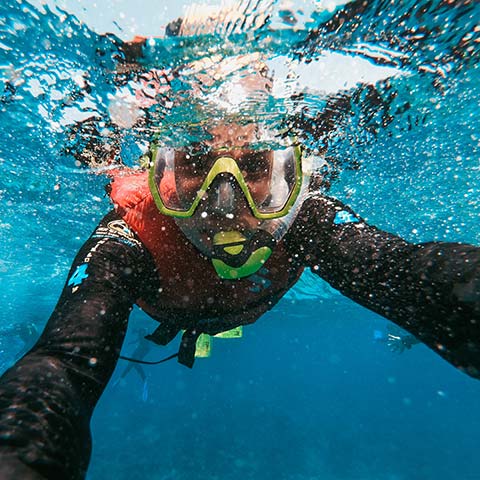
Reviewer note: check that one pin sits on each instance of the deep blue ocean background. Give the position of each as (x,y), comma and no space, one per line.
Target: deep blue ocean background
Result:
(307,393)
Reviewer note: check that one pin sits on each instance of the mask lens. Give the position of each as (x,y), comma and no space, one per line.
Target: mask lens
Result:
(179,175)
(282,181)
(191,168)
(268,177)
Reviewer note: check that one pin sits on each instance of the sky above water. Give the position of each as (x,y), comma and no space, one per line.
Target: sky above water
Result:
(127,18)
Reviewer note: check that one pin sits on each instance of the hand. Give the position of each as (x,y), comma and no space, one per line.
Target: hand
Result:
(152,87)
(399,343)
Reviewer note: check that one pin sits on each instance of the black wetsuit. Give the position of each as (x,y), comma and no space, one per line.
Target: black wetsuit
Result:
(47,399)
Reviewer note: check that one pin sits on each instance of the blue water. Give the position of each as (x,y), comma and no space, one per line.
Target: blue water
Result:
(307,393)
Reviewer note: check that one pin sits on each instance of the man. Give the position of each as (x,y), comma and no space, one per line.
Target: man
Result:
(211,238)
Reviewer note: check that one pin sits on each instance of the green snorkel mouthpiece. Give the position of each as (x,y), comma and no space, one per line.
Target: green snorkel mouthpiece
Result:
(236,257)
(254,262)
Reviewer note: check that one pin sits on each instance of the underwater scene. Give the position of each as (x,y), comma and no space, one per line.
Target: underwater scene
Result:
(383,96)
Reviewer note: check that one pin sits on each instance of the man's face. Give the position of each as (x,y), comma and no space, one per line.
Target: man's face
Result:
(224,206)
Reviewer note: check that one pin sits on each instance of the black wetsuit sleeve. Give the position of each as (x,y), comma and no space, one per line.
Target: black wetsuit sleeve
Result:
(47,398)
(430,289)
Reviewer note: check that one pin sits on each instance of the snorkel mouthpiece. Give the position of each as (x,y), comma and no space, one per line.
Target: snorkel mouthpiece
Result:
(236,257)
(231,242)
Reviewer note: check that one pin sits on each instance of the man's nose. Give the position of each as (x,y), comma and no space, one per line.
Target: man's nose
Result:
(225,195)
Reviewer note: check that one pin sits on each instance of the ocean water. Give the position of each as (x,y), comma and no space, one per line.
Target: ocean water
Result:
(307,393)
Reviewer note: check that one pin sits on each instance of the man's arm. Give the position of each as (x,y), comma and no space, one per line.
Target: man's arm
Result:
(47,398)
(430,289)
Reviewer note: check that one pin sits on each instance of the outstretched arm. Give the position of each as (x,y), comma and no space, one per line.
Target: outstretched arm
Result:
(430,289)
(47,398)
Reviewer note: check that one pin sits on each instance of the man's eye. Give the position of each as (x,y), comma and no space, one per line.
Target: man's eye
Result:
(196,168)
(251,168)
(255,164)
(196,161)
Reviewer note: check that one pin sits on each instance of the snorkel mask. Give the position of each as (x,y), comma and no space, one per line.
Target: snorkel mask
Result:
(270,182)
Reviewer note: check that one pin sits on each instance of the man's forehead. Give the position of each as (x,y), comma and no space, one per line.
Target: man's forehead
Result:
(219,134)
(232,134)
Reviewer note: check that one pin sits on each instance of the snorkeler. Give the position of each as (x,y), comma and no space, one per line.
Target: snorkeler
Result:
(26,332)
(140,352)
(396,339)
(208,238)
